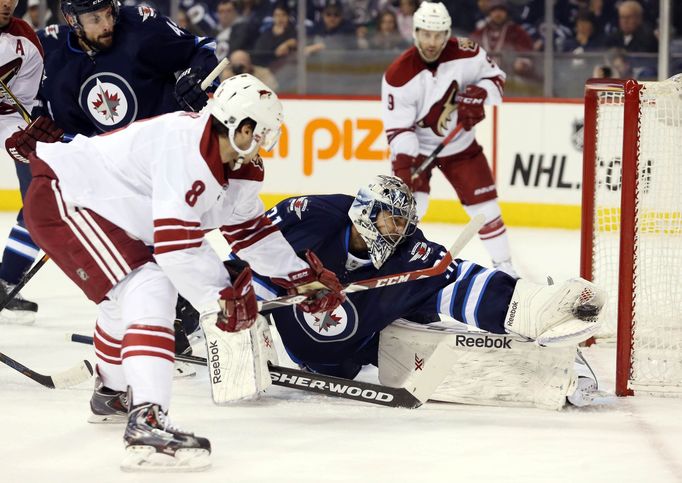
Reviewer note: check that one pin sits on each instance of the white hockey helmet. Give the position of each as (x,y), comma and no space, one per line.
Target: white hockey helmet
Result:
(431,16)
(241,97)
(391,195)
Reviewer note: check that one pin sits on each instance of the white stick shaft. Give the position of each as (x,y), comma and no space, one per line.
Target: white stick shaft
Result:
(214,73)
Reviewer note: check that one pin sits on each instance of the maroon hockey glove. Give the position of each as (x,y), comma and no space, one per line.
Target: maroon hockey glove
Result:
(238,302)
(325,290)
(403,167)
(470,106)
(23,142)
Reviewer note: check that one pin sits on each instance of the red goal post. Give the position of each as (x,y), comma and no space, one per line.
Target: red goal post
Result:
(631,237)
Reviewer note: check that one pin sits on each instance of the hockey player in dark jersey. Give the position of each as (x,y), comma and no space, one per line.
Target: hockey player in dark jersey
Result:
(375,234)
(110,66)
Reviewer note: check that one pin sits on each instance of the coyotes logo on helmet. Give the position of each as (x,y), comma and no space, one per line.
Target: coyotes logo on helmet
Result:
(264,94)
(441,111)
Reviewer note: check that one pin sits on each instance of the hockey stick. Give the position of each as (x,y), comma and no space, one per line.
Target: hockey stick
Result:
(214,73)
(395,397)
(432,157)
(61,380)
(24,280)
(467,233)
(4,88)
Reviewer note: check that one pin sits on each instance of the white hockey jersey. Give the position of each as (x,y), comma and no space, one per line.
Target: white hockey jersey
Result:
(418,99)
(21,68)
(162,181)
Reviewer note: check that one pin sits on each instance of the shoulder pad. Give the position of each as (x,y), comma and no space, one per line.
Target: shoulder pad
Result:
(52,31)
(146,12)
(297,205)
(405,68)
(459,48)
(254,171)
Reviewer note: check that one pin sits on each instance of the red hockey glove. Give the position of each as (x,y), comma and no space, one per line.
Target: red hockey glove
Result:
(470,106)
(324,287)
(238,302)
(23,142)
(403,167)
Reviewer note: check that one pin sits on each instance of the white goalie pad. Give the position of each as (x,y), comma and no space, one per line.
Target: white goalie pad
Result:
(238,361)
(475,367)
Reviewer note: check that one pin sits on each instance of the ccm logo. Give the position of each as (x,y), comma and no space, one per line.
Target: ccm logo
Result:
(392,280)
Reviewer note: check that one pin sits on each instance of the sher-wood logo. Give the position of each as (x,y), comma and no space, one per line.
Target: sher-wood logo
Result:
(324,386)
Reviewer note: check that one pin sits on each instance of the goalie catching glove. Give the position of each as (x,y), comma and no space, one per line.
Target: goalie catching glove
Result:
(322,287)
(555,315)
(470,106)
(23,142)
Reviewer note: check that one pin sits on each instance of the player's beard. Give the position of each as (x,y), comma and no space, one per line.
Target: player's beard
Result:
(103,42)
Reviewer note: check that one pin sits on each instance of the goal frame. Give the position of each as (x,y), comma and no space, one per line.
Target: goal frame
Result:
(628,211)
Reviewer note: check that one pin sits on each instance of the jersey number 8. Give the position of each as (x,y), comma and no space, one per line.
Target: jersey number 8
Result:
(192,196)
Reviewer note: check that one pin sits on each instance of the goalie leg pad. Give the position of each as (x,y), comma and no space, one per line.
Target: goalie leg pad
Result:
(238,361)
(555,315)
(482,368)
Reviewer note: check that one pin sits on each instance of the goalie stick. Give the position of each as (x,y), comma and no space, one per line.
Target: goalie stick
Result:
(61,380)
(367,392)
(467,233)
(432,157)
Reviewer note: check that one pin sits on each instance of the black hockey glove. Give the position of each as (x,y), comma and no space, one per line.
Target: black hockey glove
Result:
(188,90)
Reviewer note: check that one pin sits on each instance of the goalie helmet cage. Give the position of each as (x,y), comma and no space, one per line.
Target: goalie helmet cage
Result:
(631,238)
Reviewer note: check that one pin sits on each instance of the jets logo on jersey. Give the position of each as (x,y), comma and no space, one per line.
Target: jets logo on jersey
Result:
(420,251)
(52,31)
(440,114)
(335,326)
(146,12)
(298,206)
(108,100)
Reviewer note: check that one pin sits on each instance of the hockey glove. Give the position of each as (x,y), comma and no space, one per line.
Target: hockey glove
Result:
(321,285)
(403,167)
(238,302)
(188,90)
(470,106)
(23,142)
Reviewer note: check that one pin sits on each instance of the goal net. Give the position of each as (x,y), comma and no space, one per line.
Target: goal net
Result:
(631,241)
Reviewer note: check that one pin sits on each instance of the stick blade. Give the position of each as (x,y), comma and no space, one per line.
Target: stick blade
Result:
(74,376)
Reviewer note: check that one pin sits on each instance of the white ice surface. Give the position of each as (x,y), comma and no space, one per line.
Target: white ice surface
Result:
(291,436)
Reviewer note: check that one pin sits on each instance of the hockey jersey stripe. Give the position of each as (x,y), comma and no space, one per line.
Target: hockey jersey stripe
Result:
(175,222)
(100,260)
(148,340)
(171,247)
(109,360)
(240,245)
(391,134)
(474,295)
(231,230)
(148,351)
(176,234)
(87,217)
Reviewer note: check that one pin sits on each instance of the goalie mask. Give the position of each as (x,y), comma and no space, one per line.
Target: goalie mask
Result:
(245,97)
(384,213)
(71,9)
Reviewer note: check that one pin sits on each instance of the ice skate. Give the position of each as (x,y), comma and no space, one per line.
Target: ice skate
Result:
(154,444)
(18,310)
(107,405)
(587,391)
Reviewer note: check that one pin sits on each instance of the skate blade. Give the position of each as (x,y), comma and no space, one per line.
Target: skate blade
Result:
(146,458)
(108,418)
(183,369)
(18,317)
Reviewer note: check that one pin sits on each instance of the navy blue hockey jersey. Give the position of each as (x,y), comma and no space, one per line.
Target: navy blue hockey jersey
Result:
(341,341)
(133,79)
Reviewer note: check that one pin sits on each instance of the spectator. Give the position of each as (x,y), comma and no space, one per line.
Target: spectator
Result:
(621,63)
(633,34)
(240,63)
(587,37)
(602,72)
(404,14)
(227,18)
(32,15)
(501,35)
(387,36)
(333,32)
(278,41)
(245,29)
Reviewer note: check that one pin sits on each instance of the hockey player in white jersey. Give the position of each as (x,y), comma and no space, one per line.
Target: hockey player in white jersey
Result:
(426,93)
(96,205)
(21,66)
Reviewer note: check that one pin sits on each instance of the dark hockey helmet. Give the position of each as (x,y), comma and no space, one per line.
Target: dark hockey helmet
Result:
(71,9)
